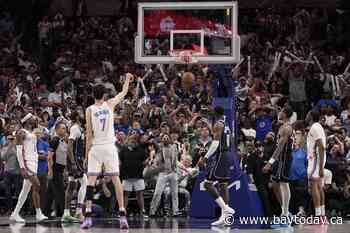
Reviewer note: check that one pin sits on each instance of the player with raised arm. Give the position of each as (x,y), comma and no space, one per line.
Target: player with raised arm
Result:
(217,166)
(27,155)
(281,160)
(101,150)
(316,151)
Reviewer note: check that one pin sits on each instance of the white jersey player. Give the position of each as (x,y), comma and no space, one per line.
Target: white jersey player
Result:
(316,144)
(27,155)
(101,149)
(316,133)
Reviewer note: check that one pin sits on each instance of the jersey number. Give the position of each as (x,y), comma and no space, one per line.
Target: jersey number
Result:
(103,122)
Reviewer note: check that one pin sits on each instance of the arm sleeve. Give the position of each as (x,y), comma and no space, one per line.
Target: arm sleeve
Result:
(20,158)
(213,147)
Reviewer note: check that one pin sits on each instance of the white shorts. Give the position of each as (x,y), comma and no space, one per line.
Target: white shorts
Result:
(313,167)
(31,167)
(103,156)
(130,185)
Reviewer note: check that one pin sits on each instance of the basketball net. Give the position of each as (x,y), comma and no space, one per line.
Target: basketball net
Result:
(185,56)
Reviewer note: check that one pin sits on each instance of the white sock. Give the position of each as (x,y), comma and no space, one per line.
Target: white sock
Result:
(318,211)
(221,203)
(285,196)
(66,212)
(82,190)
(323,210)
(22,196)
(38,211)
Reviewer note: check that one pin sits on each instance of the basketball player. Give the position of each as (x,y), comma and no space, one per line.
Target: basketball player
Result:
(76,156)
(281,160)
(316,144)
(27,156)
(101,149)
(217,166)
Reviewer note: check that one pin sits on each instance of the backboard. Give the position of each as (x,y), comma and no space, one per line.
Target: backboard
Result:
(207,28)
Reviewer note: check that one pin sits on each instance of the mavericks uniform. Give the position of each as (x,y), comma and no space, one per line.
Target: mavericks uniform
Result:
(218,165)
(103,151)
(29,153)
(281,168)
(76,134)
(316,132)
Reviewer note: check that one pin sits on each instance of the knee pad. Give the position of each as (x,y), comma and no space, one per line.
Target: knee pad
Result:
(89,192)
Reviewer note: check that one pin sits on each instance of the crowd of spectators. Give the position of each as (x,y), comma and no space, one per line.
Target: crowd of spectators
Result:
(78,53)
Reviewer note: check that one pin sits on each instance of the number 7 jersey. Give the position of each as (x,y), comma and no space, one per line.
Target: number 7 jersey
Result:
(102,120)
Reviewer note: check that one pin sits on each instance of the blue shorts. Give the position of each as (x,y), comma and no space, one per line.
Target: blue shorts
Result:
(218,167)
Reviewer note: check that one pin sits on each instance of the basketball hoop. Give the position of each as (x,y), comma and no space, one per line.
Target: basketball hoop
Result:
(185,56)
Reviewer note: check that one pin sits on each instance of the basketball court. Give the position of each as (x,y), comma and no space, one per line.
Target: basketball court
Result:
(180,225)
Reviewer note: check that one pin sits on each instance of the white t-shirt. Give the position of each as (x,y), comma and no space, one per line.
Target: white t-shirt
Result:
(56,97)
(316,132)
(330,120)
(75,132)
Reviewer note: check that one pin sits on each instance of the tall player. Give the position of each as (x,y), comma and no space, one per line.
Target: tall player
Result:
(100,148)
(217,165)
(27,156)
(281,159)
(316,144)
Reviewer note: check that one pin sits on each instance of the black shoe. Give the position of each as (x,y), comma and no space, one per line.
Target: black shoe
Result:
(144,215)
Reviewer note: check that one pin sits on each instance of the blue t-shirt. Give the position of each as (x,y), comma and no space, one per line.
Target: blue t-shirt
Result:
(43,149)
(325,102)
(263,127)
(298,169)
(51,122)
(121,128)
(2,140)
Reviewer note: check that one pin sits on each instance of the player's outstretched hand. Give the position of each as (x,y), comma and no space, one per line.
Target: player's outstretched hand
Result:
(129,77)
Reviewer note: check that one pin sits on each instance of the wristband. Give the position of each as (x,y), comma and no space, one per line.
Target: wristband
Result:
(271,161)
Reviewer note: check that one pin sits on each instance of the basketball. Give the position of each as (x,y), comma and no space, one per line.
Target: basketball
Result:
(188,80)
